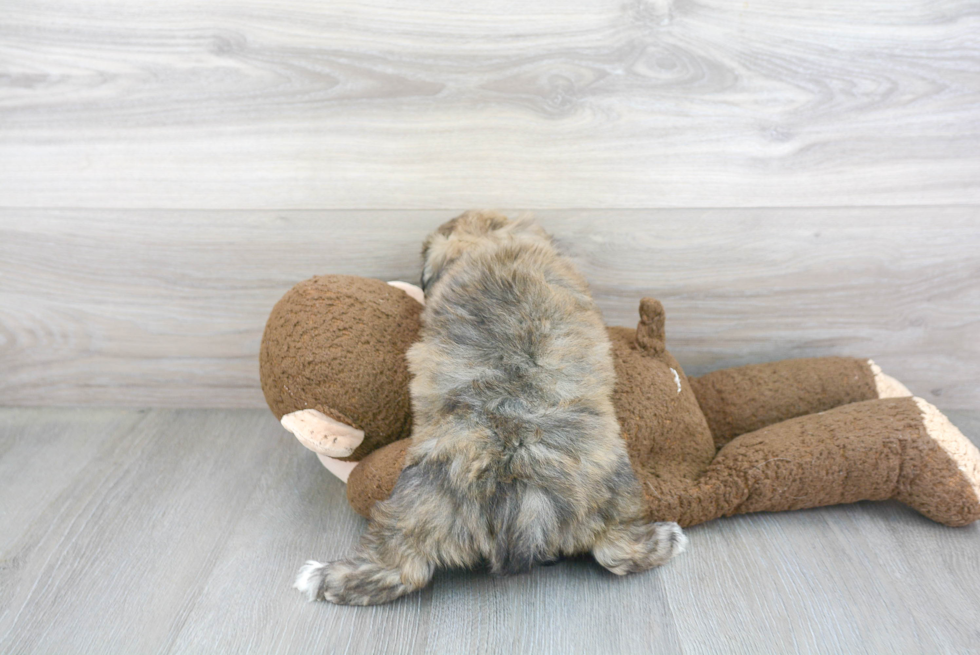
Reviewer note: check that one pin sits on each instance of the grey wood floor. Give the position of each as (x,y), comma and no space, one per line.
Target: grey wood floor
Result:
(155,531)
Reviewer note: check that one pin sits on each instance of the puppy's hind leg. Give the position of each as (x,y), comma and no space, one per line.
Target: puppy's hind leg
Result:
(637,546)
(408,534)
(361,580)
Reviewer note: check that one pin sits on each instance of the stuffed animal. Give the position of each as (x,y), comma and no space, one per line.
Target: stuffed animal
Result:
(767,437)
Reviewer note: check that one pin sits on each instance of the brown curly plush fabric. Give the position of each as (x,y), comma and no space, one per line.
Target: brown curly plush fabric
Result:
(870,450)
(337,343)
(369,484)
(763,394)
(767,437)
(666,436)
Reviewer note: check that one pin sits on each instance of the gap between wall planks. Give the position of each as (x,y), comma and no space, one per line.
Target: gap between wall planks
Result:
(210,104)
(167,307)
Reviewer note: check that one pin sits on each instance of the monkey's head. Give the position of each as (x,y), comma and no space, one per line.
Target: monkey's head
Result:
(337,344)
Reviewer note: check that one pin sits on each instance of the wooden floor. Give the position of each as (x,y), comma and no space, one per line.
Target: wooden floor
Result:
(156,531)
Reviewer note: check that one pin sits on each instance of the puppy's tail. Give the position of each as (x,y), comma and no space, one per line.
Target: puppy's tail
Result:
(638,546)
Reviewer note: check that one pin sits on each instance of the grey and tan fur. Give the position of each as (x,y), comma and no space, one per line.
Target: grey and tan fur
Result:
(516,455)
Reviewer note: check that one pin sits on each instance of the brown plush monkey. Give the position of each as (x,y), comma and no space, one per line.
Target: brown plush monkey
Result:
(766,437)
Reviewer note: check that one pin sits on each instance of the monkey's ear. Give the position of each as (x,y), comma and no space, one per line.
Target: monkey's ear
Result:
(650,333)
(409,288)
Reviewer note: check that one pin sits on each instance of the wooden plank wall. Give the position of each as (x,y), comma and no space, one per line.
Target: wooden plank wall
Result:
(790,178)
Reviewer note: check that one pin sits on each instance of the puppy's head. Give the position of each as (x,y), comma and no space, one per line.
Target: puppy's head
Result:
(453,238)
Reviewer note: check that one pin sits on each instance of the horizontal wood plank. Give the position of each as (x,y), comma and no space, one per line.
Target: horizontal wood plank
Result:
(167,308)
(594,103)
(128,543)
(180,531)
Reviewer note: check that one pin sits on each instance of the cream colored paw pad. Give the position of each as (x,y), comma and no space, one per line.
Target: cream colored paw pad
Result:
(886,385)
(322,434)
(960,449)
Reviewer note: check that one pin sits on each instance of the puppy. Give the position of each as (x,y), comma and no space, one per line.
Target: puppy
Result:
(516,456)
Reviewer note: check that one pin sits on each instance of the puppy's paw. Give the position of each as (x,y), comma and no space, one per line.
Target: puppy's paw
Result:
(675,537)
(639,546)
(337,582)
(309,580)
(350,582)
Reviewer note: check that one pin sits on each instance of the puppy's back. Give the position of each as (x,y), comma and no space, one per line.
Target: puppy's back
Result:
(512,387)
(512,322)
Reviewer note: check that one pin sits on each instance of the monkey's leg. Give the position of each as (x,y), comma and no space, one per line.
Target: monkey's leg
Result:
(901,448)
(739,400)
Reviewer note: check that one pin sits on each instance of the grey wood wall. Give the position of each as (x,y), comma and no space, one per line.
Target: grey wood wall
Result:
(790,178)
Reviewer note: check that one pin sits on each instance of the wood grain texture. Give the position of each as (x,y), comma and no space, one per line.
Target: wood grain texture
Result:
(166,308)
(129,542)
(180,531)
(212,104)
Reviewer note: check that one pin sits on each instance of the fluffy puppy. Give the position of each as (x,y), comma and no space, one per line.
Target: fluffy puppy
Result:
(516,456)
